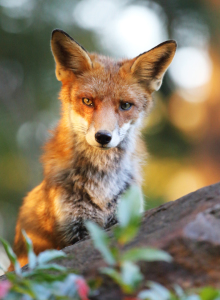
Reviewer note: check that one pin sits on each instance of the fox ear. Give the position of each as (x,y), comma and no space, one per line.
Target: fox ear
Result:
(69,56)
(150,67)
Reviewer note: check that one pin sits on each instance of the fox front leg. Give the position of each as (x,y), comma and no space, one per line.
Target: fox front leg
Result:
(72,228)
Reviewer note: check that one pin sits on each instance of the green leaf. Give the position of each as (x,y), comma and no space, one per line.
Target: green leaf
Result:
(156,292)
(148,295)
(24,287)
(32,258)
(42,291)
(208,293)
(146,254)
(162,292)
(193,297)
(128,279)
(115,275)
(67,287)
(48,255)
(179,291)
(129,207)
(129,216)
(51,267)
(11,255)
(11,276)
(42,275)
(125,235)
(131,275)
(101,241)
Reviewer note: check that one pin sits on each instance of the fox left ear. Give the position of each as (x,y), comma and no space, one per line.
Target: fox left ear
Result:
(150,67)
(70,57)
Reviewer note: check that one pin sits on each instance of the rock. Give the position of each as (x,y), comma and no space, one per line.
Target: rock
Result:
(188,229)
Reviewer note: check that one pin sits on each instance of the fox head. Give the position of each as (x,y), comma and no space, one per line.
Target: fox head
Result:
(104,99)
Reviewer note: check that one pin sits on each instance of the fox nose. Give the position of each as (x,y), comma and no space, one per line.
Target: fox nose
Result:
(103,137)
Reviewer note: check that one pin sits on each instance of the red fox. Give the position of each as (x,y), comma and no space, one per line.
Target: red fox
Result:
(94,153)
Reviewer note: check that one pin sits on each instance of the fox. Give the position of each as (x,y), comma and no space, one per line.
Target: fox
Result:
(94,154)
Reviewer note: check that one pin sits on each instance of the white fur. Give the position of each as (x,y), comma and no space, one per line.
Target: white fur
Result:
(115,138)
(156,84)
(124,129)
(77,123)
(90,136)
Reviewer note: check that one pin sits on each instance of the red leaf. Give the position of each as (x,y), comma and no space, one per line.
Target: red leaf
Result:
(4,288)
(82,288)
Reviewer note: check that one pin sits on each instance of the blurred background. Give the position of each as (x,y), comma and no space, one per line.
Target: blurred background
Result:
(183,131)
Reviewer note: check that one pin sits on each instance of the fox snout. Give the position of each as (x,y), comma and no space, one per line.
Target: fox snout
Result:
(103,129)
(103,137)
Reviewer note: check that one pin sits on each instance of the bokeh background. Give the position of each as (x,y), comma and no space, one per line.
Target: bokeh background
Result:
(183,131)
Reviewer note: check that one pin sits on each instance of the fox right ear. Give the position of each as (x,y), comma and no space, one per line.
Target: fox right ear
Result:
(69,56)
(150,67)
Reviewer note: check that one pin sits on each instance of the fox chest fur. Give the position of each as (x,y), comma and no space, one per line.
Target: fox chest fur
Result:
(91,191)
(95,192)
(94,154)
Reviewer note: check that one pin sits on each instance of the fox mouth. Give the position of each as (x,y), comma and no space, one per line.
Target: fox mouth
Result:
(103,147)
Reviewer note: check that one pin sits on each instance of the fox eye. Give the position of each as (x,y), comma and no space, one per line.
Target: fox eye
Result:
(125,106)
(87,101)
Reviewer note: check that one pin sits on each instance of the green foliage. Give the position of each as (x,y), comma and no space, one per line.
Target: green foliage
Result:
(159,292)
(129,216)
(147,254)
(11,256)
(123,269)
(31,255)
(48,255)
(101,241)
(125,272)
(209,293)
(128,278)
(155,292)
(46,280)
